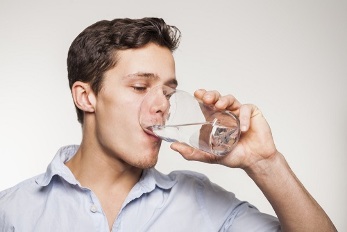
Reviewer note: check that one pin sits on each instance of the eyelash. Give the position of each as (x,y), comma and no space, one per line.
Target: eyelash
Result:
(139,88)
(143,89)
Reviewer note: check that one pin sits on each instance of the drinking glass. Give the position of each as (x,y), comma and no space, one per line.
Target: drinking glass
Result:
(175,115)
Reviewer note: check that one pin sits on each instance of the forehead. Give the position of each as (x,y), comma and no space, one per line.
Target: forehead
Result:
(152,63)
(149,59)
(152,77)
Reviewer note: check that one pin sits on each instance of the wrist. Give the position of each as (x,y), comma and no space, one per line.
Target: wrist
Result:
(275,166)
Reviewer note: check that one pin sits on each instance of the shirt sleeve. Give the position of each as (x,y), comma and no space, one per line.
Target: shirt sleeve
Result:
(230,214)
(247,218)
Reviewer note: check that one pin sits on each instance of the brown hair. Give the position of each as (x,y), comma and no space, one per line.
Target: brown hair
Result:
(94,50)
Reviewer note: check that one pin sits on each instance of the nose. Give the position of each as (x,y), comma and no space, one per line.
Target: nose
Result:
(160,100)
(155,106)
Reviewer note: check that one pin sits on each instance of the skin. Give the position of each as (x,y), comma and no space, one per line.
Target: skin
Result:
(110,160)
(257,155)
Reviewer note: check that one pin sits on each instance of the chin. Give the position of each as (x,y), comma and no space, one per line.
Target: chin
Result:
(145,152)
(147,159)
(146,162)
(147,165)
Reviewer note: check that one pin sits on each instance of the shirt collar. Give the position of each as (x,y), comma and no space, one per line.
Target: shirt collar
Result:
(149,180)
(58,167)
(152,178)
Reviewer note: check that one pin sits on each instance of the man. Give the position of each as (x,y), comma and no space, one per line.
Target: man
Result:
(109,183)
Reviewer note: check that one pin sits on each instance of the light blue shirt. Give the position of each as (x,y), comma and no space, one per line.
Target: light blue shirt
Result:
(180,201)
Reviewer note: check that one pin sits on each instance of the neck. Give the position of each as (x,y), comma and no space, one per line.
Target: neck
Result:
(99,171)
(103,172)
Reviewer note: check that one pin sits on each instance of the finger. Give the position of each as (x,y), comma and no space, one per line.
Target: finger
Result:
(199,93)
(245,117)
(228,102)
(210,97)
(247,112)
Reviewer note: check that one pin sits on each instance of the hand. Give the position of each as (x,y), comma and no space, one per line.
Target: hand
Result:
(257,155)
(255,144)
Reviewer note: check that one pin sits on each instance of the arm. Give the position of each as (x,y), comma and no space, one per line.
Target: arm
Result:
(295,207)
(256,153)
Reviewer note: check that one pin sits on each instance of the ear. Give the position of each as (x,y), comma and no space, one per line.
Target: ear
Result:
(83,96)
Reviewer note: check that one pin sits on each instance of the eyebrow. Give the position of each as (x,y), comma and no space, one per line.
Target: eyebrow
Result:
(153,76)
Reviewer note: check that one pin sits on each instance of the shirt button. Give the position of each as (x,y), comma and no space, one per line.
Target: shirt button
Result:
(93,208)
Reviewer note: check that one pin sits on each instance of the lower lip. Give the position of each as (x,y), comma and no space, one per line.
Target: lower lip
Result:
(150,134)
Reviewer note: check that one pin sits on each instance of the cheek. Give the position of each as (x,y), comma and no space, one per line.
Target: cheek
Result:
(127,112)
(119,115)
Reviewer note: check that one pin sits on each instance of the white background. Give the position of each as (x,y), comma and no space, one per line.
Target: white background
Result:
(288,57)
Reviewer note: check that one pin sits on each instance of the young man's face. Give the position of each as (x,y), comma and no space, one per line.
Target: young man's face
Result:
(117,105)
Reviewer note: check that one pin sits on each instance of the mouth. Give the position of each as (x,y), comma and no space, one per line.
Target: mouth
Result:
(149,131)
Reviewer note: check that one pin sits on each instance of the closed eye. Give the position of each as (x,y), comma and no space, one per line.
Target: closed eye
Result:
(168,94)
(139,88)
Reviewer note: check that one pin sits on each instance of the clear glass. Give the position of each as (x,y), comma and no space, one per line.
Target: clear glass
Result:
(175,115)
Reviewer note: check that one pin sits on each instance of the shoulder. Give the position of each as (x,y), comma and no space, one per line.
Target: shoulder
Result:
(212,200)
(189,176)
(206,192)
(13,200)
(182,179)
(199,182)
(25,185)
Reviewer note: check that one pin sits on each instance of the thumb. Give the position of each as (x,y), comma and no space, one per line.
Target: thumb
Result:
(190,153)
